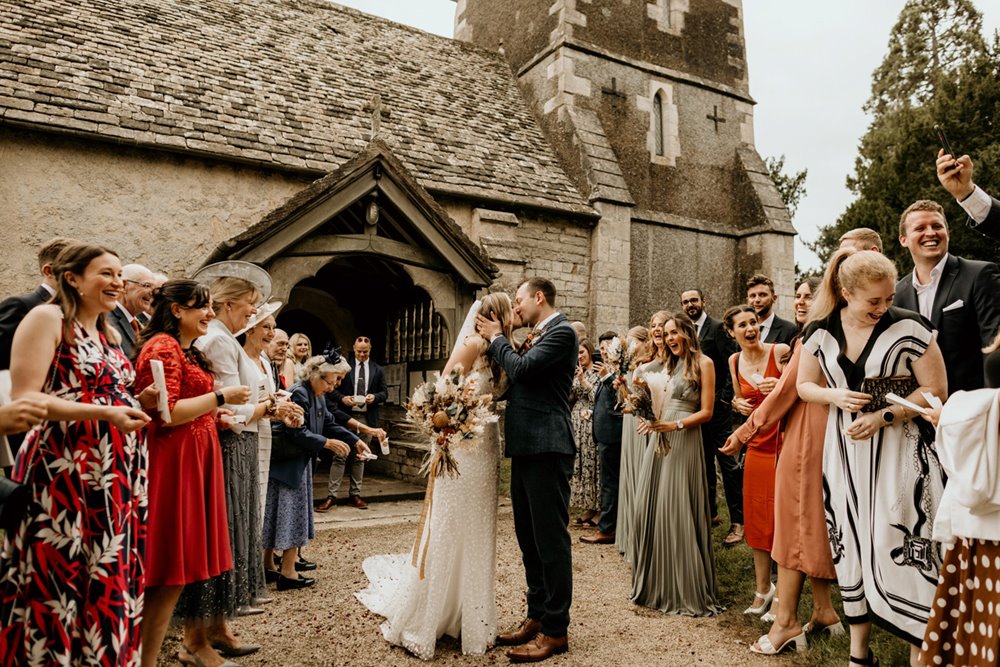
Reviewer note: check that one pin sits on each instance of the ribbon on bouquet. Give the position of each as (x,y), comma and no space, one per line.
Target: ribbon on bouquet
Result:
(435,468)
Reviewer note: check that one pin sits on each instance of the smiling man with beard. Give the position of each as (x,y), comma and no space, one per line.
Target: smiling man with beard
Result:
(960,297)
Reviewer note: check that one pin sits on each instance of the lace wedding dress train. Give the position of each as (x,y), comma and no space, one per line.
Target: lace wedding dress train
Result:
(457,596)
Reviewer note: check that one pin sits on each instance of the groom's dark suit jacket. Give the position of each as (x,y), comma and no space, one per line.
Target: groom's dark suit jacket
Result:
(537,420)
(966,315)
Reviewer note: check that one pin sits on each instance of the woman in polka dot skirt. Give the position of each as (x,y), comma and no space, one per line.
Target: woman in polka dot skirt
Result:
(964,625)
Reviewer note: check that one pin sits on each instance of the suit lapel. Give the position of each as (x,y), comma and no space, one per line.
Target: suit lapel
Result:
(943,294)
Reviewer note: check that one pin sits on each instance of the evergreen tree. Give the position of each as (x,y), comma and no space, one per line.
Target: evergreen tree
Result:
(895,163)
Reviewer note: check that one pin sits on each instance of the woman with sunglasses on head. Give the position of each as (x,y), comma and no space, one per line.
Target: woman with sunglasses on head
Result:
(188,534)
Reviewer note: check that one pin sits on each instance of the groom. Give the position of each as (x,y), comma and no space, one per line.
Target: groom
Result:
(539,441)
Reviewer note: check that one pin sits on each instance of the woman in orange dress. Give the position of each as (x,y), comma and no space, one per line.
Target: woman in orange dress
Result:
(801,545)
(755,370)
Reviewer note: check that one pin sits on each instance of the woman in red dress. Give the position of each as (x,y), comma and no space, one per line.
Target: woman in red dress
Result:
(188,530)
(71,574)
(755,370)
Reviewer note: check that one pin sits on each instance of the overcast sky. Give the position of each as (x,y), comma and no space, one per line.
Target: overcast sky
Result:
(810,71)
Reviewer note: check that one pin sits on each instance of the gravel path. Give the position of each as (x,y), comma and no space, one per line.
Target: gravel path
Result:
(326,625)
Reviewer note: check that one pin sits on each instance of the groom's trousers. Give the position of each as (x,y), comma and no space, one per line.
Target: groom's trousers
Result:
(539,495)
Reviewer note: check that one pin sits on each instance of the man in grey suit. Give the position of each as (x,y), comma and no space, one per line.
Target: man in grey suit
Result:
(538,437)
(135,299)
(960,297)
(956,177)
(761,297)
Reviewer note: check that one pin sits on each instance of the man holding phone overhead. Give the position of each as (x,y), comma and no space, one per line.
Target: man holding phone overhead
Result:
(955,174)
(959,296)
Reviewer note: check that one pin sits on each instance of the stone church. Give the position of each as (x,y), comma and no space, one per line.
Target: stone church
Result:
(386,176)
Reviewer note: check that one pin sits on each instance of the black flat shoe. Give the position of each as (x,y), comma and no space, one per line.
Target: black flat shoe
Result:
(303,565)
(289,584)
(271,576)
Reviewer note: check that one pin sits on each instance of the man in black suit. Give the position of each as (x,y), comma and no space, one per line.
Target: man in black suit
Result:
(956,177)
(718,346)
(761,297)
(960,297)
(607,428)
(359,395)
(14,308)
(135,299)
(538,437)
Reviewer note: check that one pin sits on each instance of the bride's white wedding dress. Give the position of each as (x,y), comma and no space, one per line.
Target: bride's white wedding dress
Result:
(457,596)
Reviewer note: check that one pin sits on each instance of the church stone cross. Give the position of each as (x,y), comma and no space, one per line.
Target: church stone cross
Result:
(613,90)
(377,112)
(715,117)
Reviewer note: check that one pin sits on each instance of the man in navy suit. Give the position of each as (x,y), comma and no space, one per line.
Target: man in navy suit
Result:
(960,297)
(607,427)
(718,346)
(538,437)
(761,297)
(956,177)
(14,308)
(366,379)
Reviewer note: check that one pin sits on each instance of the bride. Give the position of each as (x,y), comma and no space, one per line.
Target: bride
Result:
(456,597)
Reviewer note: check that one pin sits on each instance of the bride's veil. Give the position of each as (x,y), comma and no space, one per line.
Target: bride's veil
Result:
(468,329)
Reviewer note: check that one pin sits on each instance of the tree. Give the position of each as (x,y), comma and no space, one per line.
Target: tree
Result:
(895,163)
(791,187)
(930,42)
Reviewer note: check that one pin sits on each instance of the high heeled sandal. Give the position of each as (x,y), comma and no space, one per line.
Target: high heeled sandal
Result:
(763,646)
(757,611)
(833,630)
(870,661)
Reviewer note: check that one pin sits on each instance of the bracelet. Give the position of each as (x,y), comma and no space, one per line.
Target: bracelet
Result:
(220,399)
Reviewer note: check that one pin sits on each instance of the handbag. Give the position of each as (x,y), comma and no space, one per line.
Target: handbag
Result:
(879,388)
(14,501)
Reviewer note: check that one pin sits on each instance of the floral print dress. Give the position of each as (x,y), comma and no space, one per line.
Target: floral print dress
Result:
(71,576)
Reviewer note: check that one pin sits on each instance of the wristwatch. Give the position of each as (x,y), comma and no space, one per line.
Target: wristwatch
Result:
(680,425)
(888,416)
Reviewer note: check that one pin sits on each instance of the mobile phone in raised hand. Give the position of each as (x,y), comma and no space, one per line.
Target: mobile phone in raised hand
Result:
(945,144)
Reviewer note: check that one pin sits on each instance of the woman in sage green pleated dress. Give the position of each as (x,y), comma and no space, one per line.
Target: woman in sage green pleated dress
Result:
(647,360)
(674,566)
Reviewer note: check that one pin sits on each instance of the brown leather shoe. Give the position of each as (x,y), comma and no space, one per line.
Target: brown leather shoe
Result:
(597,537)
(540,648)
(358,503)
(524,633)
(327,504)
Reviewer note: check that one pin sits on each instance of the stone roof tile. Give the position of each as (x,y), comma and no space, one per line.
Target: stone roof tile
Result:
(283,82)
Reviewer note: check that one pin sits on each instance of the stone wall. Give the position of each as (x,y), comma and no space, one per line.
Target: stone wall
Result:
(160,209)
(525,243)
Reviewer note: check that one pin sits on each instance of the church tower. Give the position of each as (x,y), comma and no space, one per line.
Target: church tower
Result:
(647,104)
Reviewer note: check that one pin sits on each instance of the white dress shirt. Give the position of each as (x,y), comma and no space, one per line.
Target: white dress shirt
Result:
(358,389)
(701,322)
(765,326)
(977,205)
(926,293)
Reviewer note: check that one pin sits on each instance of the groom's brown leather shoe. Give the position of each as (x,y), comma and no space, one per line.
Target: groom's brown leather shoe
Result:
(524,633)
(597,537)
(539,649)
